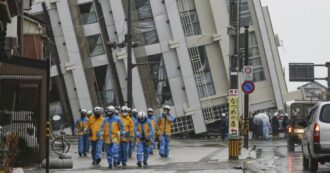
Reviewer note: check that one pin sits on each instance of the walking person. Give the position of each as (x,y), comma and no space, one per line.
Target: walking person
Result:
(153,122)
(275,126)
(95,126)
(265,126)
(252,127)
(83,137)
(89,145)
(132,141)
(144,133)
(165,121)
(223,126)
(113,129)
(128,135)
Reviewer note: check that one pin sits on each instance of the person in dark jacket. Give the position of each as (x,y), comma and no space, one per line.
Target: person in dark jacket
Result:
(275,126)
(223,126)
(252,127)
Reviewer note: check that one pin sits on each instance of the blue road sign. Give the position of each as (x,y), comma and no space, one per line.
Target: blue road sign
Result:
(248,87)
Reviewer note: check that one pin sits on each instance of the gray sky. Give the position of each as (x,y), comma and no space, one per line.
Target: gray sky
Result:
(304,28)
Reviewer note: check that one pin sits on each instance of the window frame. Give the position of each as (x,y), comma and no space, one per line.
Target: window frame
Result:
(90,12)
(101,40)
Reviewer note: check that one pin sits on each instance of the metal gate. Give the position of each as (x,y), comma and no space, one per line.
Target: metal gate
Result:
(20,114)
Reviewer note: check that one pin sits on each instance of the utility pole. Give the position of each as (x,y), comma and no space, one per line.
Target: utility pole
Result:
(20,19)
(234,138)
(129,56)
(328,79)
(246,96)
(114,74)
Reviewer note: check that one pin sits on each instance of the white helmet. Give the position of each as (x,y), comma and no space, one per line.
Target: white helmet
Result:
(97,109)
(167,107)
(134,111)
(89,112)
(129,109)
(150,110)
(83,111)
(141,115)
(124,109)
(110,109)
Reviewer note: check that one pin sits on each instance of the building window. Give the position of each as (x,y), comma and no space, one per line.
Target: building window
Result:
(88,13)
(144,26)
(190,23)
(95,45)
(202,71)
(156,86)
(254,56)
(195,22)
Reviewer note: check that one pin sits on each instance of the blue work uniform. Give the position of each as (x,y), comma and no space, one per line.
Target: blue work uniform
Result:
(132,142)
(144,133)
(164,133)
(114,128)
(83,137)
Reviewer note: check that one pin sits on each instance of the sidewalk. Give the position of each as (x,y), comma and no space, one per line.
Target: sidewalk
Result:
(185,156)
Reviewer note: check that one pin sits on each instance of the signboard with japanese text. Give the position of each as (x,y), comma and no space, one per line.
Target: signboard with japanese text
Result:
(233,114)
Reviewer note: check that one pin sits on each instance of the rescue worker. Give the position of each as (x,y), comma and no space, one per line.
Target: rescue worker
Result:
(95,126)
(129,133)
(153,122)
(83,137)
(132,141)
(113,129)
(165,121)
(89,114)
(144,133)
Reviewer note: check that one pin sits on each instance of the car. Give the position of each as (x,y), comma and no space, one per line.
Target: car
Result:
(297,121)
(316,139)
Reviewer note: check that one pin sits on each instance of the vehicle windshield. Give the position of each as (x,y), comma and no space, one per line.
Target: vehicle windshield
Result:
(299,110)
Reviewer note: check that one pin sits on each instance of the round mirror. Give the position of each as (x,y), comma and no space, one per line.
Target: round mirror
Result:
(56,117)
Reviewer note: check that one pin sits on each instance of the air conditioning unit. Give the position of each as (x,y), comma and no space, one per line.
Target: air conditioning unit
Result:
(5,16)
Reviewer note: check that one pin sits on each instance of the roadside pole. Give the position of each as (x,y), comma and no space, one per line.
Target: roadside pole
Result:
(328,79)
(129,56)
(246,96)
(233,131)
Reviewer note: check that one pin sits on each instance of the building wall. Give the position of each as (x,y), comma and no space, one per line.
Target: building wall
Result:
(173,46)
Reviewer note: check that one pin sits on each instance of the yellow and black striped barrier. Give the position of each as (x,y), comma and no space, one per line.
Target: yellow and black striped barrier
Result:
(234,149)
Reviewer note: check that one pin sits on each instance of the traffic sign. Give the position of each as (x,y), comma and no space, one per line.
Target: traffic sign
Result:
(248,87)
(301,72)
(248,72)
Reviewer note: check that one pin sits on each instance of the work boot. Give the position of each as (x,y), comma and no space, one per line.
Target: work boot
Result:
(98,161)
(110,167)
(93,163)
(145,163)
(80,154)
(124,166)
(139,164)
(85,155)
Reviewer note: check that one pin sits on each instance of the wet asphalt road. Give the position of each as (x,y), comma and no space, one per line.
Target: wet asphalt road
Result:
(290,162)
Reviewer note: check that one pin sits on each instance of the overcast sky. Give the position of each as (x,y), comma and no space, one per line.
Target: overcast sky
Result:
(304,28)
